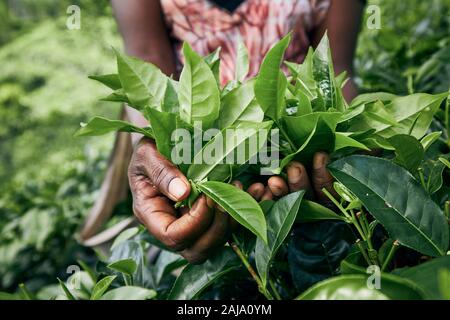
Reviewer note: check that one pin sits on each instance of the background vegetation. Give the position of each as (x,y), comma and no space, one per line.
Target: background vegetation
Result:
(48,179)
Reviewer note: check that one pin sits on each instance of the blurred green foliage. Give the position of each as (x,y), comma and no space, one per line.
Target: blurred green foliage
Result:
(48,179)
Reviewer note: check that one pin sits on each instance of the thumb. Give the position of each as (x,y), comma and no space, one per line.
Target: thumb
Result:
(163,174)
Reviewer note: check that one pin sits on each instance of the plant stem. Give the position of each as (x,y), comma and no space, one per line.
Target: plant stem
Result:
(363,251)
(422,179)
(337,204)
(250,269)
(447,209)
(446,115)
(286,136)
(274,289)
(395,246)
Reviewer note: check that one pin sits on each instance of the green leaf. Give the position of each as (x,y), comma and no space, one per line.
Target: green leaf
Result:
(413,115)
(396,200)
(324,74)
(98,126)
(163,124)
(198,92)
(110,80)
(426,275)
(312,211)
(126,266)
(67,292)
(170,102)
(213,61)
(367,98)
(225,146)
(300,129)
(117,96)
(143,83)
(239,204)
(445,162)
(354,287)
(125,235)
(429,139)
(444,283)
(167,262)
(239,105)
(101,287)
(194,279)
(343,140)
(408,150)
(280,219)
(129,293)
(432,171)
(271,83)
(242,65)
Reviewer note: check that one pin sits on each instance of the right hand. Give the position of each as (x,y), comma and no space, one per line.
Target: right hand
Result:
(156,184)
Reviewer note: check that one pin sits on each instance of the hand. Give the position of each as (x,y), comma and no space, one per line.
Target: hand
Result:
(298,179)
(156,184)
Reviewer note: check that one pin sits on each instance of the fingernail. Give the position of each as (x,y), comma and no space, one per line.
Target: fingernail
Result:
(294,174)
(177,188)
(320,160)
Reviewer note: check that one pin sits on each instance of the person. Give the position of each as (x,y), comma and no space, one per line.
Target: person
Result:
(154,30)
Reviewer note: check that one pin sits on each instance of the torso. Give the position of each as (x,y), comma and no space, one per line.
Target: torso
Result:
(259,23)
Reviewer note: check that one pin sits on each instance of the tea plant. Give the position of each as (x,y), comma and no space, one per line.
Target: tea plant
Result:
(402,195)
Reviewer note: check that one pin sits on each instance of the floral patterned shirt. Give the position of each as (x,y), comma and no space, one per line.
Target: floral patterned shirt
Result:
(259,23)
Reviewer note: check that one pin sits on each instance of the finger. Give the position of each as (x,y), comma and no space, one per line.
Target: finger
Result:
(163,174)
(237,184)
(256,190)
(277,186)
(298,177)
(321,177)
(177,233)
(210,240)
(268,195)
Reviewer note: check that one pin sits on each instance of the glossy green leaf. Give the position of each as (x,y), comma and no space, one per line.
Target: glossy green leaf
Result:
(426,275)
(129,293)
(444,283)
(213,61)
(194,279)
(126,266)
(198,92)
(320,124)
(396,200)
(143,83)
(167,262)
(66,291)
(280,219)
(117,96)
(242,64)
(98,126)
(125,235)
(239,105)
(343,140)
(408,150)
(239,204)
(110,80)
(170,101)
(355,287)
(271,83)
(227,145)
(324,74)
(163,124)
(412,113)
(429,139)
(432,171)
(311,211)
(101,287)
(367,98)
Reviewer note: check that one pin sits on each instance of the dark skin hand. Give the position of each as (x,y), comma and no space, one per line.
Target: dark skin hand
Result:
(156,184)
